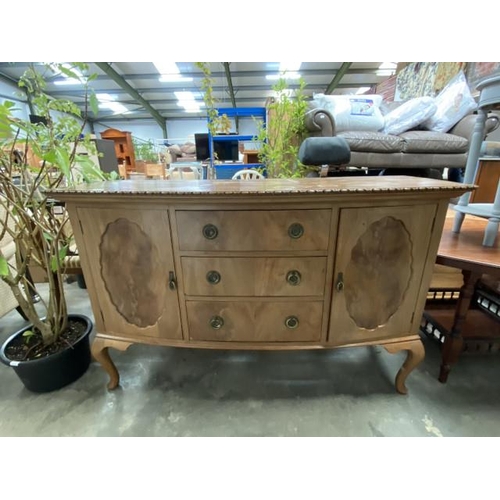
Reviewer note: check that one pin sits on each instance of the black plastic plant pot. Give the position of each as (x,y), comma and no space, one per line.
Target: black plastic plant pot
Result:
(57,370)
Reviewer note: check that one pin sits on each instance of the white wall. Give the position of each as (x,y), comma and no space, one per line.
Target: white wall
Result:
(142,129)
(178,131)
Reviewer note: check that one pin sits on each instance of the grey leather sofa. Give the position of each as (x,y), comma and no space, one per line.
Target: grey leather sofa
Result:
(415,149)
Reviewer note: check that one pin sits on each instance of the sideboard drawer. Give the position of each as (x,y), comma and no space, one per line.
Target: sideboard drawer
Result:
(254,276)
(253,230)
(255,321)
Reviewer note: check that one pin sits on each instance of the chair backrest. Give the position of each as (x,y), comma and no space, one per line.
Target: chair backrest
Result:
(247,174)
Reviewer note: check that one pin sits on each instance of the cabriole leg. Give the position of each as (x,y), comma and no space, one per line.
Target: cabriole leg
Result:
(416,354)
(100,352)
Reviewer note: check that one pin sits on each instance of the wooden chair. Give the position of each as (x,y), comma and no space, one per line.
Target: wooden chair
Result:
(247,174)
(122,170)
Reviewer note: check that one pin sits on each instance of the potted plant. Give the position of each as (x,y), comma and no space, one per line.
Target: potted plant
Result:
(217,124)
(53,350)
(280,140)
(144,150)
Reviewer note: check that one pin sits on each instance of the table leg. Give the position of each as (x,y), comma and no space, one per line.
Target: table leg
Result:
(453,343)
(491,231)
(416,354)
(100,352)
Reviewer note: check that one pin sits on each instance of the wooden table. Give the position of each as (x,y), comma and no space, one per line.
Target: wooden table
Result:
(465,251)
(489,100)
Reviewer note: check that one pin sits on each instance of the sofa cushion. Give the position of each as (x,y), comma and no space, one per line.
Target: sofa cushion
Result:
(421,141)
(453,103)
(353,112)
(409,115)
(375,142)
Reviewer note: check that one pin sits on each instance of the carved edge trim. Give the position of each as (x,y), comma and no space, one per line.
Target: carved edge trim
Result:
(180,192)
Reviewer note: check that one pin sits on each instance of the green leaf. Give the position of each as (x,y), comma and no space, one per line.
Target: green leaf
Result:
(50,156)
(90,171)
(63,251)
(68,72)
(62,161)
(4,266)
(28,334)
(94,104)
(55,260)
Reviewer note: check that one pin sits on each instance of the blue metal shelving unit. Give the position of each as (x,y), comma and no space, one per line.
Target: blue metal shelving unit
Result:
(226,171)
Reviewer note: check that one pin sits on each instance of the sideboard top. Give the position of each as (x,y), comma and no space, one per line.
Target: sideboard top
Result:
(334,185)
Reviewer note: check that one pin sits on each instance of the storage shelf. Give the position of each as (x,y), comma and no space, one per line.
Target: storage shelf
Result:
(235,112)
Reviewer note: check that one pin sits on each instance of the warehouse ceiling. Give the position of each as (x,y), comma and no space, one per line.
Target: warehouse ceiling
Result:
(144,94)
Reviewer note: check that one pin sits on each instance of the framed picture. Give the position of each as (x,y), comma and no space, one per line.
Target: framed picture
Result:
(477,71)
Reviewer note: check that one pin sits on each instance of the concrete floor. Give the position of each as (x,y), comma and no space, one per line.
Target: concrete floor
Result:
(195,392)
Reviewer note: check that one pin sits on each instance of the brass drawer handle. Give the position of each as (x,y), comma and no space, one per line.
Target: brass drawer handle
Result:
(210,231)
(292,322)
(295,230)
(293,277)
(216,322)
(339,285)
(171,281)
(213,277)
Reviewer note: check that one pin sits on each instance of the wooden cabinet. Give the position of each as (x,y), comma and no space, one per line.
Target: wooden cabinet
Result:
(132,265)
(124,148)
(267,264)
(378,269)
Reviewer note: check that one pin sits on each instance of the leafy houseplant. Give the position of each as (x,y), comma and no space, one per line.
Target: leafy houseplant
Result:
(285,131)
(217,124)
(145,150)
(35,158)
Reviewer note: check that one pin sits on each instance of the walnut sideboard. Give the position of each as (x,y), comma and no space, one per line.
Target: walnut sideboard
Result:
(259,264)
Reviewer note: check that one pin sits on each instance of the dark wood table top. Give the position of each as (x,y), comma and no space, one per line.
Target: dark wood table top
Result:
(465,250)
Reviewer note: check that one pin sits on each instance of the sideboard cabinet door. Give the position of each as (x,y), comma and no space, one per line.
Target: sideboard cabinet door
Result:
(133,270)
(379,263)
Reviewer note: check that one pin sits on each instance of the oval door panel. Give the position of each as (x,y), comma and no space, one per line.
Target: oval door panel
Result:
(379,272)
(131,273)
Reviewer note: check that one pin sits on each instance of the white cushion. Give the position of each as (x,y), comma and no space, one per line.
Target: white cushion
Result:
(453,103)
(353,112)
(409,115)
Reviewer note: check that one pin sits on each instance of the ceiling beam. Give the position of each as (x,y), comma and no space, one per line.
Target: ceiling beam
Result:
(232,95)
(7,79)
(338,76)
(236,74)
(219,88)
(133,93)
(230,83)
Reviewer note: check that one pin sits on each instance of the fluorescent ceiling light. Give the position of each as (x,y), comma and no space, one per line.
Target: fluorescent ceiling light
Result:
(105,97)
(287,70)
(169,72)
(187,101)
(362,90)
(167,68)
(286,76)
(386,69)
(292,67)
(174,78)
(184,96)
(66,80)
(107,101)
